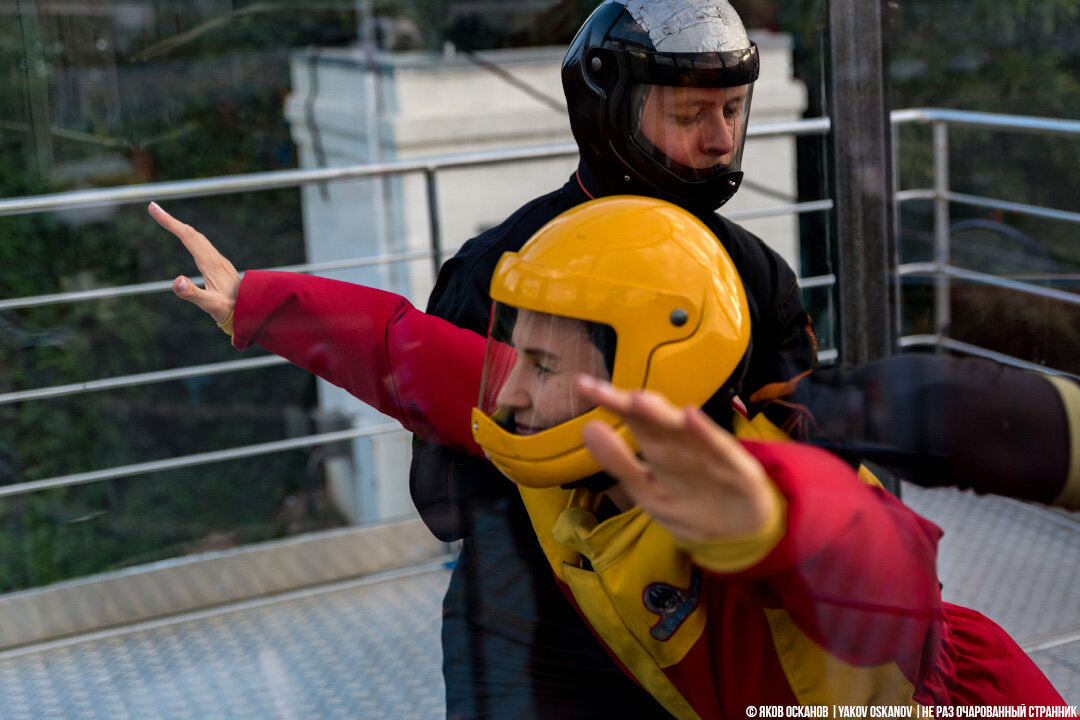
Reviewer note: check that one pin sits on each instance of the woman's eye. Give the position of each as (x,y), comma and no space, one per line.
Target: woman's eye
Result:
(541,369)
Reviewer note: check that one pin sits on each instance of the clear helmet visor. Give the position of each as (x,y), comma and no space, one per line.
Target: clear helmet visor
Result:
(531,362)
(694,132)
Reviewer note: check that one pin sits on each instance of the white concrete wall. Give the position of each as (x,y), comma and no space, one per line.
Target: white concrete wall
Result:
(423,105)
(770,162)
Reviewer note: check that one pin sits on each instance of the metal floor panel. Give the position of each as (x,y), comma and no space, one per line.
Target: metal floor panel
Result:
(1017,564)
(367,649)
(370,648)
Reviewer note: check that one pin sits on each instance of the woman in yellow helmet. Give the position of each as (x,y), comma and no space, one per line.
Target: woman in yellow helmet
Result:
(720,574)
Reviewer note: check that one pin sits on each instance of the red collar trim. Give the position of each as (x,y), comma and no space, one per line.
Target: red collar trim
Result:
(577,174)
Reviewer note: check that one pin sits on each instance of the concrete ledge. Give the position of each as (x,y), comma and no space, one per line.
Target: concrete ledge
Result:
(207,580)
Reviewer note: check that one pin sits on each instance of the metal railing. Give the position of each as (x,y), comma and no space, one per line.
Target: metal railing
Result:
(428,167)
(939,270)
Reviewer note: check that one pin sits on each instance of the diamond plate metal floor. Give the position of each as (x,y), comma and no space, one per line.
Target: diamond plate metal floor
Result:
(370,649)
(1019,565)
(366,649)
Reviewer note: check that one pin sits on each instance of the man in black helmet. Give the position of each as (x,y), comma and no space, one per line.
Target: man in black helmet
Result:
(658,94)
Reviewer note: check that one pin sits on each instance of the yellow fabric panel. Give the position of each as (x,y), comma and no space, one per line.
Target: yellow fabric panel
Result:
(868,477)
(544,505)
(760,428)
(819,678)
(605,618)
(1070,397)
(734,554)
(628,553)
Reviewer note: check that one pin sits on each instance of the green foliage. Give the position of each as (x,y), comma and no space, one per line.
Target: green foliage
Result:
(1015,57)
(1002,56)
(208,103)
(197,95)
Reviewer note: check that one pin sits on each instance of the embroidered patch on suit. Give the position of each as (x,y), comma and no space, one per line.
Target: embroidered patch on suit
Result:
(672,604)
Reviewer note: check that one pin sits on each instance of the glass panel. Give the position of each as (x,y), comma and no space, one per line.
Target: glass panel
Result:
(147,469)
(984,192)
(1003,62)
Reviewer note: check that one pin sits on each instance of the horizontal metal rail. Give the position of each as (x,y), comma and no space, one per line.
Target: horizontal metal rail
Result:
(817,281)
(988,121)
(296,178)
(271,180)
(929,340)
(774,210)
(903,196)
(930,269)
(158,376)
(163,285)
(278,179)
(992,203)
(196,459)
(122,381)
(1013,207)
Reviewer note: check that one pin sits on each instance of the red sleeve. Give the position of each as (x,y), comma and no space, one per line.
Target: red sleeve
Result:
(856,568)
(419,369)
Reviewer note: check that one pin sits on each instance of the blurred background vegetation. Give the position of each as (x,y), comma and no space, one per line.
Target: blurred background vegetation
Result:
(102,94)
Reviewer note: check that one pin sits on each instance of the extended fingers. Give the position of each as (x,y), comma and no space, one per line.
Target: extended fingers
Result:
(214,304)
(652,414)
(196,243)
(184,288)
(603,393)
(222,280)
(613,454)
(644,411)
(701,428)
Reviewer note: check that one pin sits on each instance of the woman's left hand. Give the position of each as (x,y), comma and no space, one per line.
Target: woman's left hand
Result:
(222,280)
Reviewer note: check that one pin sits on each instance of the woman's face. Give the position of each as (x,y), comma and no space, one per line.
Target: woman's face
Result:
(550,351)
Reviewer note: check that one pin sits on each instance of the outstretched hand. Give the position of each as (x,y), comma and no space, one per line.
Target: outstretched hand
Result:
(692,476)
(222,280)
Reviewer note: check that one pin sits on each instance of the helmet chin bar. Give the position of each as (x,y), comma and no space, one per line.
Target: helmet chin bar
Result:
(706,195)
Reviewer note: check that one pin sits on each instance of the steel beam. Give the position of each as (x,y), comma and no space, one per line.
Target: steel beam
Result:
(865,251)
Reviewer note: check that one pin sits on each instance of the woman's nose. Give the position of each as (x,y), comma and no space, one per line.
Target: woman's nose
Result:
(512,394)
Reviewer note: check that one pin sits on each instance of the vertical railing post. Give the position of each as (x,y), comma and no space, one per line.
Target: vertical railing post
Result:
(37,86)
(861,134)
(433,219)
(942,310)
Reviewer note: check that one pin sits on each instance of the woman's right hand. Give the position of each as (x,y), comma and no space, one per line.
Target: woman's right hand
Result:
(693,477)
(222,280)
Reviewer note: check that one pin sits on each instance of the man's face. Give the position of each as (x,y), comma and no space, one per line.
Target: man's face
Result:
(695,126)
(550,352)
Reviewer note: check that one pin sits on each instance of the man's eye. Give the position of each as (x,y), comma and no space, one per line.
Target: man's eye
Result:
(687,119)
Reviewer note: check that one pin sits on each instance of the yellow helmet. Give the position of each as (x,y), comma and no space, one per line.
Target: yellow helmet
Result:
(649,273)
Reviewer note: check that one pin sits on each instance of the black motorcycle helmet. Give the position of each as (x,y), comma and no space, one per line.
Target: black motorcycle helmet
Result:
(629,48)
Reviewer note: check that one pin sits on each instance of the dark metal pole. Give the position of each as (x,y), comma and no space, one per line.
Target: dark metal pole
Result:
(863,178)
(433,217)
